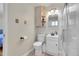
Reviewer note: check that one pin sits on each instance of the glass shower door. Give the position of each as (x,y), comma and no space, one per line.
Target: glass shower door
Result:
(71,29)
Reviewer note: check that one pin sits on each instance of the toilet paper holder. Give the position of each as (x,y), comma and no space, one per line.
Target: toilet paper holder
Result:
(22,38)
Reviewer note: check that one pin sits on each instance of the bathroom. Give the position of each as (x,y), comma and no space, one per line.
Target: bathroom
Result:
(39,29)
(47,26)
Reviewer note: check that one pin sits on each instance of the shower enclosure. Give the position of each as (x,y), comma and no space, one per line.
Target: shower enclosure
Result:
(70,27)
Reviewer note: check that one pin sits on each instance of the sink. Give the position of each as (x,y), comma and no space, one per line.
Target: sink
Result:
(49,35)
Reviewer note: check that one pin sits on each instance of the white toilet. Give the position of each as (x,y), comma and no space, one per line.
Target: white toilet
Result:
(39,44)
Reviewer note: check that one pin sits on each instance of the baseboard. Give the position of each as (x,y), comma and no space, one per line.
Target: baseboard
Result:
(27,53)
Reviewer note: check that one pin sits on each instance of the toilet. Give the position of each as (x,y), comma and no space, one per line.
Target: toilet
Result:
(38,45)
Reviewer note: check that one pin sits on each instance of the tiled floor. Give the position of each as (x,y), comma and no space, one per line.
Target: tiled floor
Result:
(43,54)
(1,50)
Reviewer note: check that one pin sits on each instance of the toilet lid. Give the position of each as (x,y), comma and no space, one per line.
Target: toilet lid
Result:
(37,44)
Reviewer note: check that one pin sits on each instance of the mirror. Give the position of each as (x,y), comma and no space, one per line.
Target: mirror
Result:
(52,20)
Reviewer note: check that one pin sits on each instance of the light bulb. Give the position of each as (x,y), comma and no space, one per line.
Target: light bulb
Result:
(49,13)
(56,11)
(52,11)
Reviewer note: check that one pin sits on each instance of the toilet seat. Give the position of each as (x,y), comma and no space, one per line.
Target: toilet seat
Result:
(37,44)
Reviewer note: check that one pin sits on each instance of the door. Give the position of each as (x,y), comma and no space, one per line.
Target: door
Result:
(71,35)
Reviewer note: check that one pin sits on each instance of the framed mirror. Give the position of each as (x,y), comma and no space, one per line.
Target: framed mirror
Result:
(53,20)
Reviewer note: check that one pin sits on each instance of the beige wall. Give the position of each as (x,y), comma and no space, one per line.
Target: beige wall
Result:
(15,31)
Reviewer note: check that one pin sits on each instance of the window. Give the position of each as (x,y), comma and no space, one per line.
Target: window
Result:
(54,23)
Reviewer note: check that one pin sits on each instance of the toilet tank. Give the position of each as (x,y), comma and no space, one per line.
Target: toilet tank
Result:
(40,37)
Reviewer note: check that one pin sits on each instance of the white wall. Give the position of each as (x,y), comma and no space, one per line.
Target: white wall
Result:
(0,22)
(15,31)
(38,16)
(1,15)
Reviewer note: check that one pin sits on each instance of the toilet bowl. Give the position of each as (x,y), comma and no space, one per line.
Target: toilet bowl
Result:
(39,44)
(38,48)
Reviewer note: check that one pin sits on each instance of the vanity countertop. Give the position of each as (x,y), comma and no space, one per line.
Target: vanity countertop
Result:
(49,35)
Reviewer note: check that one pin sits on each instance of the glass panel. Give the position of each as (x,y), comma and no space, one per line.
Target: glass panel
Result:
(71,29)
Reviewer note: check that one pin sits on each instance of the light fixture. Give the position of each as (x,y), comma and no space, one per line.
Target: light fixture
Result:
(56,11)
(53,12)
(49,13)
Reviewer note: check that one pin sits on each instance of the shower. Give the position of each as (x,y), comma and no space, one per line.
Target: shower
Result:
(70,29)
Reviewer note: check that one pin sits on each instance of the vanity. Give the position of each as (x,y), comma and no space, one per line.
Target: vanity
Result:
(52,44)
(52,35)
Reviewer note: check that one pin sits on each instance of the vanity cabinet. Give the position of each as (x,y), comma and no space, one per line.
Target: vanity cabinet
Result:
(40,14)
(52,45)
